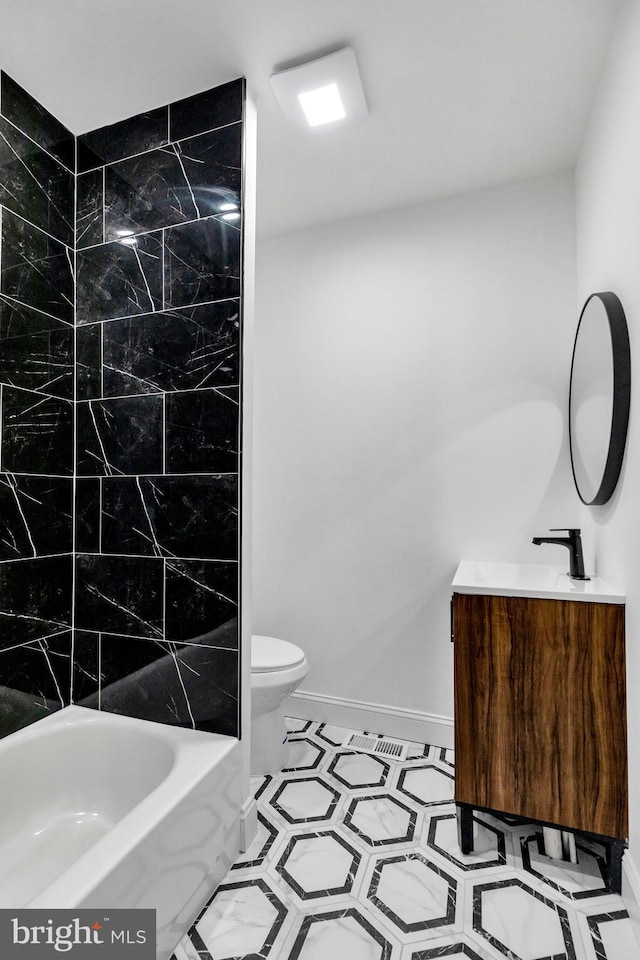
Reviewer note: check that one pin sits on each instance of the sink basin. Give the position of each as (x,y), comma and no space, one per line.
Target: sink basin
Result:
(548,582)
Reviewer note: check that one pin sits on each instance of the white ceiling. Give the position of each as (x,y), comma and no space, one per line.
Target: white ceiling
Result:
(462,93)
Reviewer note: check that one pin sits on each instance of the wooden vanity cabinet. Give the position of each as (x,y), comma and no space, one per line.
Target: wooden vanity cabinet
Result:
(540,710)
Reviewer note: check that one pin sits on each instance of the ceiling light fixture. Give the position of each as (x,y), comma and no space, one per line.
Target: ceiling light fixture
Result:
(324,91)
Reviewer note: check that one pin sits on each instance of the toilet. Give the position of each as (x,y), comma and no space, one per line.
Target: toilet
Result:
(277,667)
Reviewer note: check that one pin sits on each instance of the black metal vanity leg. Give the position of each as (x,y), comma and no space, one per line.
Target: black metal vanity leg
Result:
(614,865)
(465,827)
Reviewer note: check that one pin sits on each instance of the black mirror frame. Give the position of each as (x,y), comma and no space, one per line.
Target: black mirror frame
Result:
(621,358)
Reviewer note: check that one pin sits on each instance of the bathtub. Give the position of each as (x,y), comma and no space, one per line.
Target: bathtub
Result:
(101,810)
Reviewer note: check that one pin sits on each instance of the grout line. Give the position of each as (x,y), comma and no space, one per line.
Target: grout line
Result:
(164,433)
(100,501)
(154,313)
(61,243)
(164,270)
(99,665)
(74,452)
(27,306)
(218,217)
(39,145)
(142,153)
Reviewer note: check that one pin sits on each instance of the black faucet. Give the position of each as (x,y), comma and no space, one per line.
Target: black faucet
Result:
(574,543)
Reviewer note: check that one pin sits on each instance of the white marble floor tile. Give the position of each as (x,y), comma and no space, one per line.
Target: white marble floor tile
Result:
(356,770)
(319,865)
(298,726)
(340,935)
(240,920)
(426,784)
(512,916)
(305,800)
(303,755)
(413,892)
(381,819)
(334,736)
(356,858)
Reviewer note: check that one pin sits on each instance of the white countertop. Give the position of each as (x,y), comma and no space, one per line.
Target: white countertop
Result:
(545,581)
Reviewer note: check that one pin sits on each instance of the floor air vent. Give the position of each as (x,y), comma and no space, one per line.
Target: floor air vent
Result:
(380,746)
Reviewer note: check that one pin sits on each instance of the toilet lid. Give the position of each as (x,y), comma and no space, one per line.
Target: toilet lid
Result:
(271,653)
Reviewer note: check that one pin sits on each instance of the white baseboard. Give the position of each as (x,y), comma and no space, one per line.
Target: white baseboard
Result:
(631,892)
(374,717)
(248,823)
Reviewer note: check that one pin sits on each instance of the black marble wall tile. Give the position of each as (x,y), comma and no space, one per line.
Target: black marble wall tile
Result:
(89,362)
(171,517)
(37,433)
(35,269)
(176,350)
(35,185)
(184,181)
(35,599)
(36,351)
(121,595)
(202,262)
(207,110)
(202,432)
(20,108)
(119,279)
(87,539)
(122,436)
(188,686)
(35,516)
(90,212)
(202,596)
(123,139)
(34,681)
(86,666)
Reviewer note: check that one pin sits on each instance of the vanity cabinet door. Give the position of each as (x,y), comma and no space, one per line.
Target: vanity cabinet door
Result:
(540,728)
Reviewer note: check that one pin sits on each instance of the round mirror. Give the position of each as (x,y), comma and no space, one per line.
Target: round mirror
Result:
(599,394)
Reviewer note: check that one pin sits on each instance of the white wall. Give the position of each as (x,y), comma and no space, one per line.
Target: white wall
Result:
(608,239)
(411,374)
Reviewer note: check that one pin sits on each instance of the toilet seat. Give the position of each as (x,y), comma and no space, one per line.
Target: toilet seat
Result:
(269,654)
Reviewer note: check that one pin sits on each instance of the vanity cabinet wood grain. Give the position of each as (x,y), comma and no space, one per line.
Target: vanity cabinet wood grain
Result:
(540,728)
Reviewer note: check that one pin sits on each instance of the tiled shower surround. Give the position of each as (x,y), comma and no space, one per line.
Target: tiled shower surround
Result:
(120,347)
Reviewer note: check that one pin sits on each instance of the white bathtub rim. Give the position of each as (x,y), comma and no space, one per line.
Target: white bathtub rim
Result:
(81,876)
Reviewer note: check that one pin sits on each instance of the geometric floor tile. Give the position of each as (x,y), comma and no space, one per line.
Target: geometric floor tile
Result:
(381,820)
(242,918)
(413,892)
(335,736)
(297,726)
(356,857)
(359,770)
(319,864)
(305,800)
(575,880)
(459,949)
(488,843)
(341,935)
(259,784)
(266,833)
(613,940)
(427,784)
(521,922)
(303,755)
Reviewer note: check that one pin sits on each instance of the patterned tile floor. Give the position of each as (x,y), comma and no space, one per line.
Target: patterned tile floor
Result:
(356,858)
